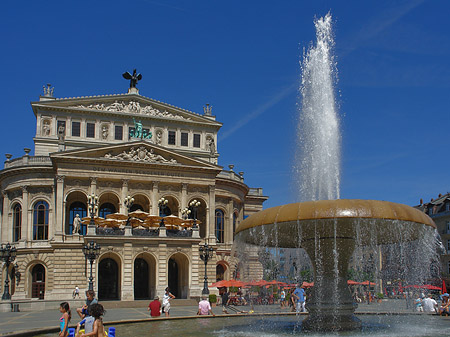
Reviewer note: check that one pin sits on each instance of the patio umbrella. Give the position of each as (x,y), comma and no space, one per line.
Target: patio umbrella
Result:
(444,287)
(135,222)
(350,282)
(117,216)
(172,220)
(221,284)
(109,223)
(139,214)
(87,219)
(366,283)
(307,284)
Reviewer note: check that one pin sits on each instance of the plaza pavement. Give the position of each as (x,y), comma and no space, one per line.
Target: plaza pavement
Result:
(30,322)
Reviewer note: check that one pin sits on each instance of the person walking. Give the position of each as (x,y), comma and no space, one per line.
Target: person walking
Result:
(204,307)
(282,298)
(299,294)
(225,301)
(166,302)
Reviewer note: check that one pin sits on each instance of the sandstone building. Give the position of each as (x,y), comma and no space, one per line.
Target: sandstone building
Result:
(115,146)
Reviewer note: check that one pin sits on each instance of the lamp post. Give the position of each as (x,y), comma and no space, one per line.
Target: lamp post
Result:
(93,207)
(8,254)
(128,202)
(193,205)
(206,254)
(162,203)
(91,252)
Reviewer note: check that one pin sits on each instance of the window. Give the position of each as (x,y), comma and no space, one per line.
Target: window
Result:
(184,139)
(118,132)
(76,127)
(196,140)
(447,206)
(448,245)
(40,221)
(448,228)
(219,225)
(17,222)
(171,140)
(105,209)
(448,268)
(62,125)
(90,130)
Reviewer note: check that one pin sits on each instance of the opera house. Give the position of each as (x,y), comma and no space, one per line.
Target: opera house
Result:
(118,147)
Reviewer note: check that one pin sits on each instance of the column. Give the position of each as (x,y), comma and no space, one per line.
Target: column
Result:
(25,208)
(212,207)
(155,197)
(6,210)
(128,266)
(124,194)
(184,187)
(162,271)
(229,224)
(58,225)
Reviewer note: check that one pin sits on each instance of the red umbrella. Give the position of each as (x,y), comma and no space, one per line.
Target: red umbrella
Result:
(221,284)
(366,283)
(425,286)
(350,282)
(444,287)
(308,285)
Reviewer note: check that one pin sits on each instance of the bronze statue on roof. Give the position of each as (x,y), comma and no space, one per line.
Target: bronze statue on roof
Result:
(133,78)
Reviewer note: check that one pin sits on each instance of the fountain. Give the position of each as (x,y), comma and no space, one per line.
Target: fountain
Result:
(328,228)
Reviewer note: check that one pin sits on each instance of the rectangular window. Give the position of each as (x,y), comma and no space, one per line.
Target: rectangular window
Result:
(171,140)
(61,127)
(118,132)
(76,129)
(184,139)
(448,268)
(90,130)
(196,140)
(448,245)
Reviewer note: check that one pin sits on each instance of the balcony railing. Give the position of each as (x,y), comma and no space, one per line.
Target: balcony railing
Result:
(29,161)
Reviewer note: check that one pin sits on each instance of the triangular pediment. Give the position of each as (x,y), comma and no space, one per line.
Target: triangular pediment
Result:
(133,105)
(132,153)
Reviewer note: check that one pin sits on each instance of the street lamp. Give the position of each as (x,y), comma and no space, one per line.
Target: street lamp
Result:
(91,252)
(193,205)
(162,204)
(206,254)
(93,207)
(8,254)
(128,202)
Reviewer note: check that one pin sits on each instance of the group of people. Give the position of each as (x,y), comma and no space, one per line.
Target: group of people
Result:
(429,304)
(90,314)
(297,299)
(155,306)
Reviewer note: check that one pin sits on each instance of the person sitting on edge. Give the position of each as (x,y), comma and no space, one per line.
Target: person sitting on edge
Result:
(444,308)
(90,300)
(204,307)
(97,311)
(155,307)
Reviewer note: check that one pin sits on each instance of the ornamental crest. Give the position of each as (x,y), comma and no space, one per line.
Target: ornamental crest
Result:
(141,154)
(131,107)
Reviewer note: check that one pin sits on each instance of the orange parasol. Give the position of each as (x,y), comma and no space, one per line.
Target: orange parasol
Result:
(172,220)
(117,216)
(135,222)
(139,214)
(87,219)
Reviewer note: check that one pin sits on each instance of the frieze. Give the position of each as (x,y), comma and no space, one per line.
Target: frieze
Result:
(141,154)
(220,200)
(137,171)
(198,189)
(131,107)
(14,194)
(41,190)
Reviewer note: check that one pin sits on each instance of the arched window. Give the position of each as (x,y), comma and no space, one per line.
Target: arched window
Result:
(219,225)
(220,272)
(106,208)
(135,207)
(40,220)
(17,222)
(79,208)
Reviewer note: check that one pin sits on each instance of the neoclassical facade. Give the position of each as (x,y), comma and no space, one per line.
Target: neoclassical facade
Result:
(114,147)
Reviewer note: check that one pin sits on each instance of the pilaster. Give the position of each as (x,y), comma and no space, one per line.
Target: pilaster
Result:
(25,207)
(124,194)
(155,196)
(127,285)
(162,272)
(58,223)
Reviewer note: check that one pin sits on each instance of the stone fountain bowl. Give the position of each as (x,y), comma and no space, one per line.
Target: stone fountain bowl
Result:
(290,225)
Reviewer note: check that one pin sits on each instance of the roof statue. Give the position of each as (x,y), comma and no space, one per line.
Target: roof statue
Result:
(133,78)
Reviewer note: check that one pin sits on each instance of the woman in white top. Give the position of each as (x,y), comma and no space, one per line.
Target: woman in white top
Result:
(166,301)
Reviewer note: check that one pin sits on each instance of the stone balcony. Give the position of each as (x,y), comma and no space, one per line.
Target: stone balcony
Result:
(27,160)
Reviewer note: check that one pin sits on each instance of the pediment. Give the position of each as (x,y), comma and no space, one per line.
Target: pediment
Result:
(132,153)
(125,104)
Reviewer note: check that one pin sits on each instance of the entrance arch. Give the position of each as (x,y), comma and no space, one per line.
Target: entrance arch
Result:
(38,282)
(108,279)
(144,277)
(178,275)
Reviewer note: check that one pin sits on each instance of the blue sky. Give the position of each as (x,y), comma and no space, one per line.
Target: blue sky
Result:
(243,58)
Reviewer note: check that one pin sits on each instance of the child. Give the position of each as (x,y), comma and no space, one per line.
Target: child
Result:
(166,302)
(96,310)
(65,319)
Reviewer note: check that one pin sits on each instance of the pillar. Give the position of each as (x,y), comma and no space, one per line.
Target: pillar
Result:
(58,224)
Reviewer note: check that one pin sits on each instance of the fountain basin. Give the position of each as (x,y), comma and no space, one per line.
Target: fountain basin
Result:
(329,230)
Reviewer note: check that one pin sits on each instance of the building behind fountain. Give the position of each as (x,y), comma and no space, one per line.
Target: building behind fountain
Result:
(116,146)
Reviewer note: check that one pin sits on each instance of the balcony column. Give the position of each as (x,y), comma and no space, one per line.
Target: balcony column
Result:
(210,234)
(6,211)
(155,197)
(124,194)
(58,223)
(25,207)
(184,187)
